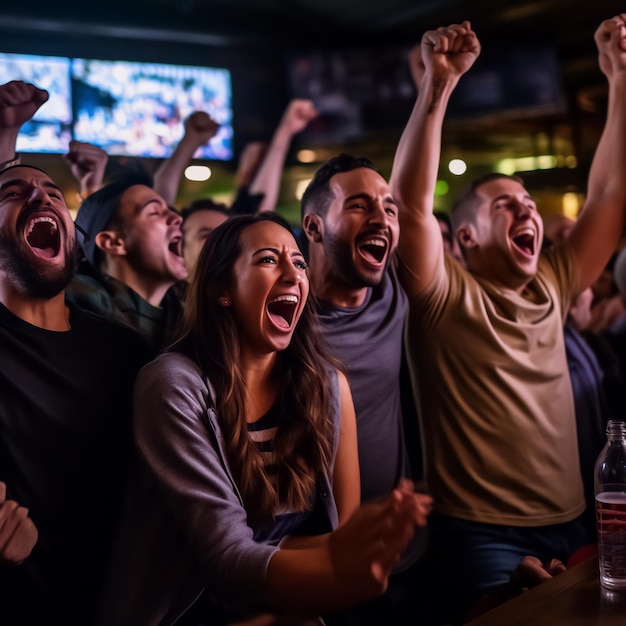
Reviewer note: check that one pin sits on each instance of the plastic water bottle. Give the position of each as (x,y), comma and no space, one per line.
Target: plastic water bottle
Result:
(610,490)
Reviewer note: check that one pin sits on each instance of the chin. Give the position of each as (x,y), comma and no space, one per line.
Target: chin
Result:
(179,274)
(531,271)
(372,280)
(280,344)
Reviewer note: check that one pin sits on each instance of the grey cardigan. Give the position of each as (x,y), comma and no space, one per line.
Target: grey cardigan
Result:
(184,527)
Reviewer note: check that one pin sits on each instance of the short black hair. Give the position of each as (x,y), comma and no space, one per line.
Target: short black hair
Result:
(204,204)
(318,196)
(465,204)
(16,165)
(98,211)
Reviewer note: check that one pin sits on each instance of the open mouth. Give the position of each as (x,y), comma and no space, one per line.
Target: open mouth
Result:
(525,241)
(282,310)
(373,249)
(176,246)
(42,235)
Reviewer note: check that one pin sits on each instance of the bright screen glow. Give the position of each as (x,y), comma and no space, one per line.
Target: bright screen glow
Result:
(138,109)
(50,128)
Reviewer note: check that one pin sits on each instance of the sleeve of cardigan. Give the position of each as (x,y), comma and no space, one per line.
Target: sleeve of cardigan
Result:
(179,448)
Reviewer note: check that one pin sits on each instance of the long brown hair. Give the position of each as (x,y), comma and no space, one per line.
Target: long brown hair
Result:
(210,336)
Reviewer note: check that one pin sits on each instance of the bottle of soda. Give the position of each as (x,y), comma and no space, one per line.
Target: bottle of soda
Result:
(610,490)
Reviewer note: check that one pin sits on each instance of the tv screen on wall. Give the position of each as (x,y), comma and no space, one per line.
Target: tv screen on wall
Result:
(511,81)
(50,129)
(139,109)
(363,91)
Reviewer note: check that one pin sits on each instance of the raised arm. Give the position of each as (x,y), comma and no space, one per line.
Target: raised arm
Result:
(199,130)
(296,117)
(19,101)
(249,162)
(437,65)
(597,232)
(87,164)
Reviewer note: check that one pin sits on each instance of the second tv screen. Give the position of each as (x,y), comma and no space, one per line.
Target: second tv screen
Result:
(139,109)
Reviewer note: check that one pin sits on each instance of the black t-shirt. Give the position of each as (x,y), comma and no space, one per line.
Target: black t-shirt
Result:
(65,447)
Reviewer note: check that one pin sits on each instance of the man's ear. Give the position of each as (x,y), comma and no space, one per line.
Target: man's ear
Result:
(313,226)
(110,242)
(466,236)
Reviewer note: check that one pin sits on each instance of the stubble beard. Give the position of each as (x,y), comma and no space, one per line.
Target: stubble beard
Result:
(42,283)
(339,252)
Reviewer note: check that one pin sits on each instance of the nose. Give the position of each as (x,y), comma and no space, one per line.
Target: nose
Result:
(39,196)
(522,209)
(290,273)
(174,218)
(379,215)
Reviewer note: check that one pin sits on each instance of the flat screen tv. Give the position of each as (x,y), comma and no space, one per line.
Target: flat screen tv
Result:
(138,109)
(511,81)
(50,129)
(363,91)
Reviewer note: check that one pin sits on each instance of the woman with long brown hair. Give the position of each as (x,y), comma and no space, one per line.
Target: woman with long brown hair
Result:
(247,494)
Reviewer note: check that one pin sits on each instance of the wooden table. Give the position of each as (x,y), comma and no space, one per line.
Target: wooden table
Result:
(573,598)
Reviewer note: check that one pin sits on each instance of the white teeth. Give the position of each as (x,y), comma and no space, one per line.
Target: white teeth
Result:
(293,299)
(525,231)
(37,220)
(375,241)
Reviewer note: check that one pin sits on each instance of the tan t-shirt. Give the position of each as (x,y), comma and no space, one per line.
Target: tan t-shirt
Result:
(496,401)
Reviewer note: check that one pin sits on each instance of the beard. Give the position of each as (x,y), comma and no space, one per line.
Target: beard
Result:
(42,283)
(339,251)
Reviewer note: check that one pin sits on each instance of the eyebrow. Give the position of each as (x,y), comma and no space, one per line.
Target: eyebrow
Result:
(147,204)
(505,196)
(276,251)
(361,194)
(205,231)
(19,182)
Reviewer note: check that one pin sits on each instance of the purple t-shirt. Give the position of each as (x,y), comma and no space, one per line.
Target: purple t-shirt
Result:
(367,339)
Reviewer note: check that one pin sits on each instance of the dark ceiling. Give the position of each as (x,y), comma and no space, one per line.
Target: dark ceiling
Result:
(254,37)
(307,22)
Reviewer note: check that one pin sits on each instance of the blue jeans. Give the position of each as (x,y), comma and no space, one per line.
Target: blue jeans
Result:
(472,559)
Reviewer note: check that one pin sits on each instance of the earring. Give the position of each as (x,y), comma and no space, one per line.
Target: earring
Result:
(225,301)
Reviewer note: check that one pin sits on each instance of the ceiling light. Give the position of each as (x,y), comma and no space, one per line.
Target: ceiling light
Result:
(441,188)
(301,187)
(306,156)
(197,173)
(570,205)
(457,167)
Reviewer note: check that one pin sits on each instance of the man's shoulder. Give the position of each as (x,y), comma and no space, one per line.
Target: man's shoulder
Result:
(105,297)
(89,293)
(103,330)
(88,282)
(558,267)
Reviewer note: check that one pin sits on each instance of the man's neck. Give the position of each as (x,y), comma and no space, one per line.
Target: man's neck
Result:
(519,287)
(327,286)
(516,283)
(329,289)
(45,313)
